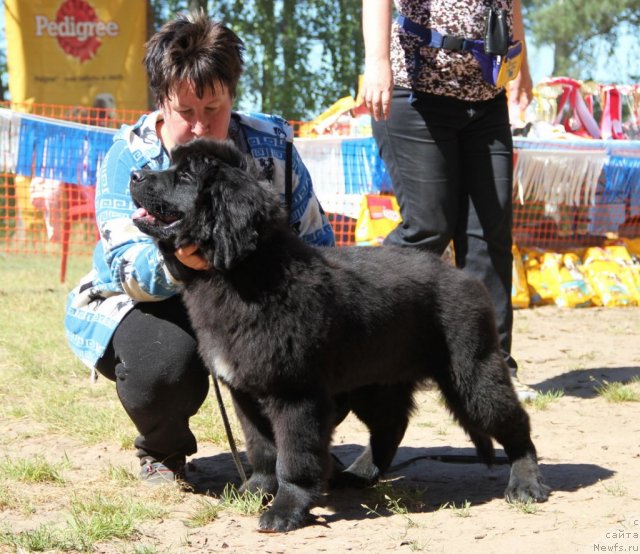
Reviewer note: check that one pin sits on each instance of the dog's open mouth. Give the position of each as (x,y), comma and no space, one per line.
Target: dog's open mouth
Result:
(167,219)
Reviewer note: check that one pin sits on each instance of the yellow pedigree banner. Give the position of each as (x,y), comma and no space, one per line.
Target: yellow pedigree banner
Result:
(72,51)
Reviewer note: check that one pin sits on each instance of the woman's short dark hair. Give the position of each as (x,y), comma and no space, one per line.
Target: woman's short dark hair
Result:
(194,49)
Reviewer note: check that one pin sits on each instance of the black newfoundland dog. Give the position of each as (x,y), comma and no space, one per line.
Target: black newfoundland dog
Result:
(302,335)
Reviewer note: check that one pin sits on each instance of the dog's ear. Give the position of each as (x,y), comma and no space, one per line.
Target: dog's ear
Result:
(241,211)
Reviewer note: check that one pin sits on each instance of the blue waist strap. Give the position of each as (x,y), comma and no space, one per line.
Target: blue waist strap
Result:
(433,39)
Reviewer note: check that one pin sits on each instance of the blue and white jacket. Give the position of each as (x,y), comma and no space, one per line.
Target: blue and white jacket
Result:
(127,266)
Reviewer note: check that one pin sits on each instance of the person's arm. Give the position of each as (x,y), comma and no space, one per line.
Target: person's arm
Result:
(132,260)
(521,88)
(378,79)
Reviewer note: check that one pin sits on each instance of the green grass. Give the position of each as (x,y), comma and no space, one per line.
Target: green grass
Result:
(99,518)
(246,503)
(45,391)
(32,470)
(206,511)
(617,392)
(544,399)
(397,500)
(529,507)
(615,488)
(40,378)
(92,520)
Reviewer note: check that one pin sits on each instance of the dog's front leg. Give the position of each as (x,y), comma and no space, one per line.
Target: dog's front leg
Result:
(302,426)
(260,445)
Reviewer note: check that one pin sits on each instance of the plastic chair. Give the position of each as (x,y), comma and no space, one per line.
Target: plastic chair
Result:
(78,204)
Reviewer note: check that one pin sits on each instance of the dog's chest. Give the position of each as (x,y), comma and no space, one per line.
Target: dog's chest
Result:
(222,369)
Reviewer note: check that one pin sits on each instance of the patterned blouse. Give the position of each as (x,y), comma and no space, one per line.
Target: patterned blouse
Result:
(444,72)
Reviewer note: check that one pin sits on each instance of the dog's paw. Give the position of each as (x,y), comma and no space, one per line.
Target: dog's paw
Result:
(341,478)
(360,474)
(349,480)
(262,483)
(525,482)
(281,520)
(336,465)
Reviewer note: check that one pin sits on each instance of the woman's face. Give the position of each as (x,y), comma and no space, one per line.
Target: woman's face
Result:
(187,117)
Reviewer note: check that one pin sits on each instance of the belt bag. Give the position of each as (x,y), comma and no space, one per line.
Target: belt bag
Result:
(497,70)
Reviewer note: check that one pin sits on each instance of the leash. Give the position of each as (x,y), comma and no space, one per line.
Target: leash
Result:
(227,428)
(288,193)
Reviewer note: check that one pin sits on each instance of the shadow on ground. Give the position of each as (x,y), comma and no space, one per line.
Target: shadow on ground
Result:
(418,479)
(583,383)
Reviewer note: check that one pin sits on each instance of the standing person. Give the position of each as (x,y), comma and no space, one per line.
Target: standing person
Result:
(444,135)
(124,318)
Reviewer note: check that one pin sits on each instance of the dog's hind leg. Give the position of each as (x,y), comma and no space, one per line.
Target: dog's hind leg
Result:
(385,410)
(481,396)
(302,425)
(261,448)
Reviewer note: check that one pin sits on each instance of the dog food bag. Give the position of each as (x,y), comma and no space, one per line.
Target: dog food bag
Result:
(575,290)
(379,215)
(630,267)
(540,288)
(519,288)
(550,264)
(607,277)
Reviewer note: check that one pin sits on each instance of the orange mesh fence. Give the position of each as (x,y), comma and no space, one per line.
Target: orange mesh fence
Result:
(105,117)
(40,213)
(563,197)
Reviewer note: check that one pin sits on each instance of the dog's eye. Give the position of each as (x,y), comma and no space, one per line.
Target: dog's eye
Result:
(205,161)
(184,178)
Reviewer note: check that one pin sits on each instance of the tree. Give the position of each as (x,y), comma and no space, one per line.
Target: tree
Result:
(576,29)
(3,75)
(301,55)
(296,62)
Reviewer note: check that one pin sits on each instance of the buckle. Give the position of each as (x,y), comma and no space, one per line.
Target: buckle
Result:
(449,42)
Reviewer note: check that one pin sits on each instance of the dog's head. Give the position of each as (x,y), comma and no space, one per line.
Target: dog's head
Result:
(208,197)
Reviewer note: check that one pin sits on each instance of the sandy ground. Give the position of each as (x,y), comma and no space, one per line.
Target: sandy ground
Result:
(589,450)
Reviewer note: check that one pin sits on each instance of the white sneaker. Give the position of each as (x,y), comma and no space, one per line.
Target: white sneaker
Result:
(524,392)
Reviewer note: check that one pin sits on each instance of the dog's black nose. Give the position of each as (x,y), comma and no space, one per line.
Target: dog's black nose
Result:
(137,176)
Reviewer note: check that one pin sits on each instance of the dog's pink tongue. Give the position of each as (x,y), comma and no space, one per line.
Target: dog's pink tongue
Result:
(139,213)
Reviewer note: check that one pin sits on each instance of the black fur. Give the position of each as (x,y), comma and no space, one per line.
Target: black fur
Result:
(302,335)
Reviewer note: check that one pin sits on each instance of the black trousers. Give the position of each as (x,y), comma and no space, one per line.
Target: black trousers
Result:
(160,378)
(451,166)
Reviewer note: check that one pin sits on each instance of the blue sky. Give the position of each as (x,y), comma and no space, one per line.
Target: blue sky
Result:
(618,68)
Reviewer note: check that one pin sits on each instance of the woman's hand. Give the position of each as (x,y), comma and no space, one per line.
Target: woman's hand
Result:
(377,89)
(378,78)
(190,256)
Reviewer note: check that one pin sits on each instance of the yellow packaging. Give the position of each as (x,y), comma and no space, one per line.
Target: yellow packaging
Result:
(540,290)
(575,290)
(630,270)
(379,215)
(510,64)
(608,278)
(519,288)
(550,271)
